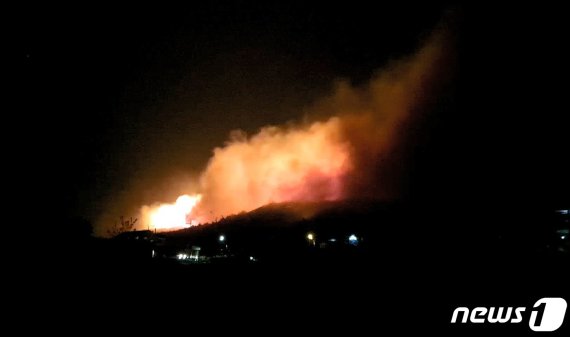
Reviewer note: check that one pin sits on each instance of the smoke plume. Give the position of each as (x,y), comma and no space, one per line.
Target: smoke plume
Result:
(351,153)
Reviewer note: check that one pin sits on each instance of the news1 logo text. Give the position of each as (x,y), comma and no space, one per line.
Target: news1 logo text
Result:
(547,314)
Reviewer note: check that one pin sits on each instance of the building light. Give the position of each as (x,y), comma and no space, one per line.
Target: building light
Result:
(353,239)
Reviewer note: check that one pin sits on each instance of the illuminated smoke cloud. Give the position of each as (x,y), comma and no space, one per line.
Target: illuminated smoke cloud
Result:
(344,156)
(307,163)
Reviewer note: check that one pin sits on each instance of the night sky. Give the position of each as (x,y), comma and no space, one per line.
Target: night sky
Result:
(118,98)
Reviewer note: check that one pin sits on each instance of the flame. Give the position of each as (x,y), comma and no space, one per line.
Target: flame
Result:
(172,216)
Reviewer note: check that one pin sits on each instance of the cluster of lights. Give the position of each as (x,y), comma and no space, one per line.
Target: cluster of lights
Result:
(352,239)
(311,237)
(182,256)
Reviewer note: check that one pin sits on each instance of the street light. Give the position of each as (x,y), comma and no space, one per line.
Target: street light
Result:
(311,238)
(222,238)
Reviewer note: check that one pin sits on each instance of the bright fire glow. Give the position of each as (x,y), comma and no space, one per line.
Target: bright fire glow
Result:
(353,153)
(172,216)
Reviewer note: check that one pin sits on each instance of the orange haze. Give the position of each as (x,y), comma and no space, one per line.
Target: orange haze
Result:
(341,156)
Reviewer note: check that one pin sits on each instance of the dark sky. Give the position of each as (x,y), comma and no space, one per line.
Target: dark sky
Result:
(140,93)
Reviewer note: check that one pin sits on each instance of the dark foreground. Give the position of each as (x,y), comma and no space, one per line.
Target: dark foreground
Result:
(406,276)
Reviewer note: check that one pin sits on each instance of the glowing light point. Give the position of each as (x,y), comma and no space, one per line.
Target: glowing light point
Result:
(353,240)
(222,238)
(310,237)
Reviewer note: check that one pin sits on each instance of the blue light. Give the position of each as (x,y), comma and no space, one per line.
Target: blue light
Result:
(352,239)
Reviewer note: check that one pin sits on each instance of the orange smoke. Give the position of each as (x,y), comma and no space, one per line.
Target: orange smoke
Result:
(307,163)
(346,155)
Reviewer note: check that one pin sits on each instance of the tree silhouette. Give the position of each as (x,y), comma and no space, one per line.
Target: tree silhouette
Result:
(122,226)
